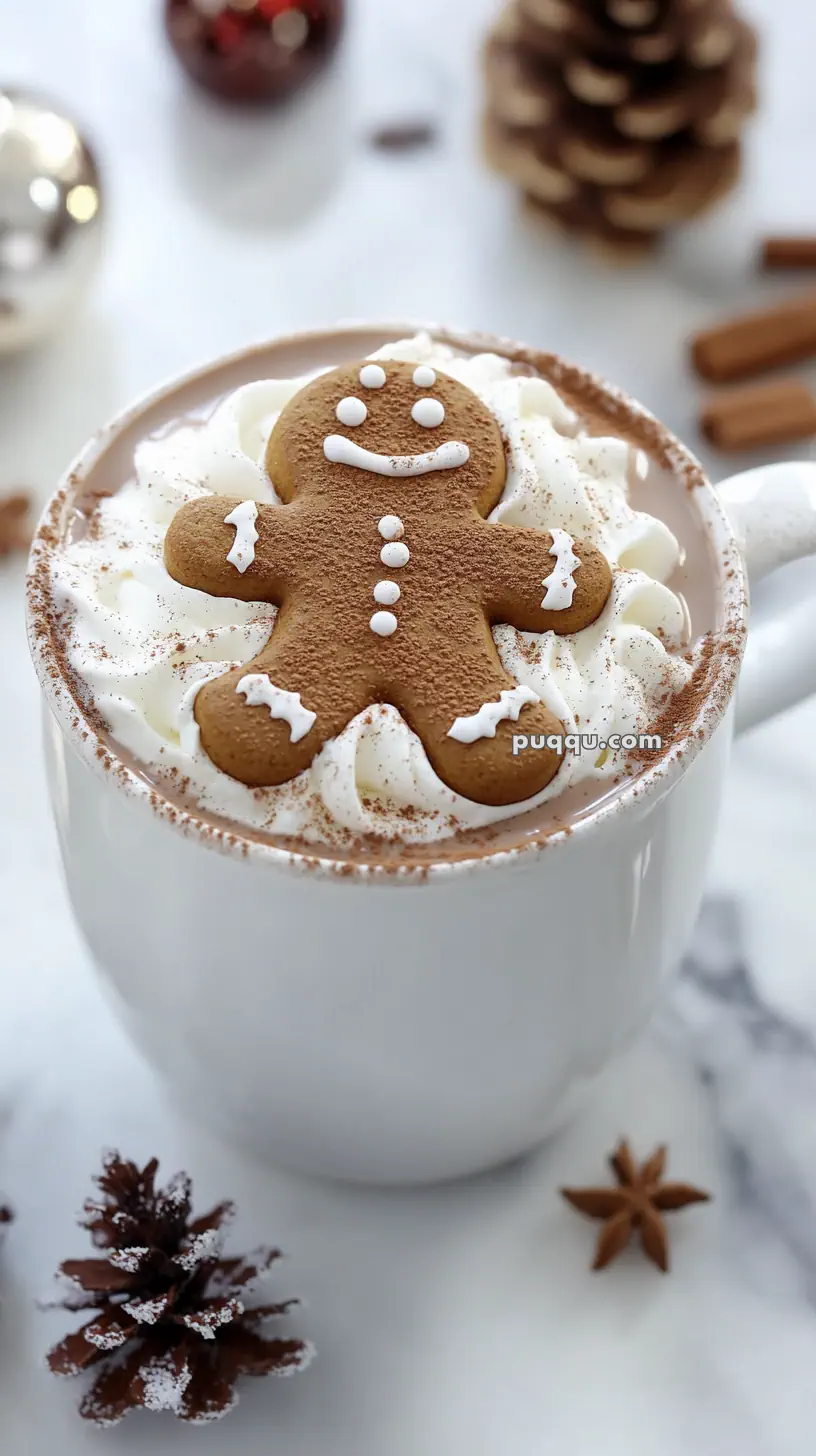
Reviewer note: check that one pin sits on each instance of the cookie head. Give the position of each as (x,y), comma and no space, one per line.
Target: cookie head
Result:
(368,425)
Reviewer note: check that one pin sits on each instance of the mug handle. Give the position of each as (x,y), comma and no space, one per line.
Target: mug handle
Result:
(773,513)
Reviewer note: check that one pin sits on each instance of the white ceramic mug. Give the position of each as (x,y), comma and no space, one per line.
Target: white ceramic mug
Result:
(416,1027)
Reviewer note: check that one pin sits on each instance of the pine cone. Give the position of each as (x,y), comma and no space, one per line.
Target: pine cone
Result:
(173,1331)
(619,118)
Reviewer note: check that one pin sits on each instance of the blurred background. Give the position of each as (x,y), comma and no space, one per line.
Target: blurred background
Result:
(224,226)
(365,193)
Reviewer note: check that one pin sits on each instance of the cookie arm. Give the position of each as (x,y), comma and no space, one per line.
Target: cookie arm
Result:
(199,542)
(518,571)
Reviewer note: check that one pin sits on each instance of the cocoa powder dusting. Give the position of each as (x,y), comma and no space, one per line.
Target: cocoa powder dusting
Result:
(677,716)
(685,716)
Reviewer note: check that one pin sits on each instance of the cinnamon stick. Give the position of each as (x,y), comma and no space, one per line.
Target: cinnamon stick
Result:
(788,252)
(15,522)
(755,342)
(760,414)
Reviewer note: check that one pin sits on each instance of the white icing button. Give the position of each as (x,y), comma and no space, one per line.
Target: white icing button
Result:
(351,411)
(391,528)
(387,593)
(395,554)
(424,376)
(372,376)
(428,412)
(383,623)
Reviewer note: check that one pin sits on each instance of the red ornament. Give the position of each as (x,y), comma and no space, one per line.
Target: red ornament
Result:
(253,50)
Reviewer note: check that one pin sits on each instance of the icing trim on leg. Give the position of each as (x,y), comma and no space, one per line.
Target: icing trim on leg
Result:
(484,723)
(260,692)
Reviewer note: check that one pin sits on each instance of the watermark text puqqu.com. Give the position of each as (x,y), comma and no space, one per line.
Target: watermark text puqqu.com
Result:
(587,742)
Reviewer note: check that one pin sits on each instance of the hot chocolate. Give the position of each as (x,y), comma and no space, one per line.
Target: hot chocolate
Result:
(540,596)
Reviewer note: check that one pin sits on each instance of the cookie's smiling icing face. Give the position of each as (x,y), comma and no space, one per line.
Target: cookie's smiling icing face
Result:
(426,411)
(399,421)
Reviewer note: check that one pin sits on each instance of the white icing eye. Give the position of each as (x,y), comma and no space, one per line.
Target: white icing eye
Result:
(387,593)
(395,554)
(428,412)
(351,411)
(372,376)
(424,376)
(384,624)
(391,528)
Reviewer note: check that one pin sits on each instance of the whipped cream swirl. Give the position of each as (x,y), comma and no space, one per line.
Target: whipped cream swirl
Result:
(144,645)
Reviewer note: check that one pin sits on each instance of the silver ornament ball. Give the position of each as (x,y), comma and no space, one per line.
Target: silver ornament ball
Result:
(51,210)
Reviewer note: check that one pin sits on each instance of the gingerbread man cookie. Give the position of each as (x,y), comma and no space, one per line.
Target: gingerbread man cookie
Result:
(388,579)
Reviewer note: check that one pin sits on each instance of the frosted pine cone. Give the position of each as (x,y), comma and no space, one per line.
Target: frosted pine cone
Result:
(619,118)
(172,1330)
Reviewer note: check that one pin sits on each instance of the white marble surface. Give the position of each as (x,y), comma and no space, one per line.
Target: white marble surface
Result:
(463,1321)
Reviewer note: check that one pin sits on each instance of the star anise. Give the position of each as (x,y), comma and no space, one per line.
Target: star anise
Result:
(639,1202)
(15,523)
(173,1330)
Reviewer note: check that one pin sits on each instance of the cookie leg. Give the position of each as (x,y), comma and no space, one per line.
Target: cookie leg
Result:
(469,736)
(264,723)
